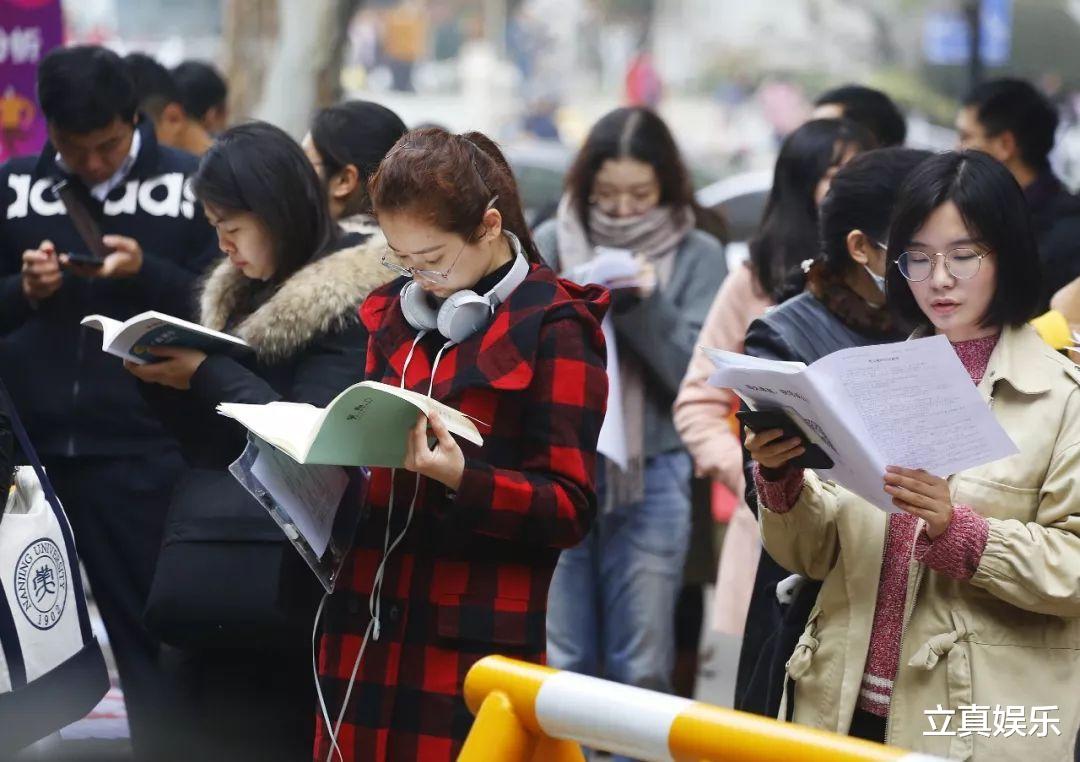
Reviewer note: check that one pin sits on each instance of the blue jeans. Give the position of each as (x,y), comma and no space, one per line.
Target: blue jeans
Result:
(611,607)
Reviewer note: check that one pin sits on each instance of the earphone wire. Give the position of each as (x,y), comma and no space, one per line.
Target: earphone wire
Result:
(373,629)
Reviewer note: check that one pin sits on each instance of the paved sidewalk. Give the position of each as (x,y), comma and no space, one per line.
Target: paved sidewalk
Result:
(101,736)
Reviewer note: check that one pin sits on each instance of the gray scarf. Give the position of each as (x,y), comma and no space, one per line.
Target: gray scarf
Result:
(656,235)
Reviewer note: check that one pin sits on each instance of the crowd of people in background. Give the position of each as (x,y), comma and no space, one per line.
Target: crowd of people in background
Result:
(371,251)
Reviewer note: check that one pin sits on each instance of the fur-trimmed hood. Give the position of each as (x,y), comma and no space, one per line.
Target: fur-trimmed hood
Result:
(318,299)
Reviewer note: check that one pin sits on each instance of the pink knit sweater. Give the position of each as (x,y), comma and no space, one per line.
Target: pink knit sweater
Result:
(955,553)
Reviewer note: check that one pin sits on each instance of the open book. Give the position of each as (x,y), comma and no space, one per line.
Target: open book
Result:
(132,339)
(908,404)
(366,425)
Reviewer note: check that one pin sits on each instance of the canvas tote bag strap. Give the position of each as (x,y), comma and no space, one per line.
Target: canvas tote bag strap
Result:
(61,518)
(9,641)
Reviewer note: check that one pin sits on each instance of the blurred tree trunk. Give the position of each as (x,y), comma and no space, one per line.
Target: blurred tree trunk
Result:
(329,79)
(283,77)
(250,31)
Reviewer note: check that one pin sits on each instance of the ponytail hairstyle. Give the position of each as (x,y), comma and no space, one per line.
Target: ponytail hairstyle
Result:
(450,180)
(359,133)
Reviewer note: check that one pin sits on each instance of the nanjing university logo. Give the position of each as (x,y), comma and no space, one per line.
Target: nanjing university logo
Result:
(41,583)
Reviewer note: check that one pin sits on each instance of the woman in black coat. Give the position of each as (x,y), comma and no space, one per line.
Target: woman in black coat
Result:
(291,285)
(841,305)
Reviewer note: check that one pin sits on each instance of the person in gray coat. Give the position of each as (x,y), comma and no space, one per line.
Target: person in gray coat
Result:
(629,189)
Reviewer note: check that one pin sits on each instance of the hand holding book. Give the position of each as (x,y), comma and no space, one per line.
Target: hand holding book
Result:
(368,424)
(921,494)
(136,339)
(444,463)
(175,369)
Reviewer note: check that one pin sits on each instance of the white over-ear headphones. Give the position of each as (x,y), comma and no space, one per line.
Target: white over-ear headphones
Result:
(463,313)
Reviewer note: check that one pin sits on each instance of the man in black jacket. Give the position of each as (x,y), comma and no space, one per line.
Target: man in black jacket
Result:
(1015,123)
(112,464)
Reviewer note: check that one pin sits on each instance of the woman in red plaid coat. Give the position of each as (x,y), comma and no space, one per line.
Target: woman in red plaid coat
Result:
(480,528)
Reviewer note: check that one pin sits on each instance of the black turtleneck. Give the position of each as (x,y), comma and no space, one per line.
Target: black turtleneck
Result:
(492,279)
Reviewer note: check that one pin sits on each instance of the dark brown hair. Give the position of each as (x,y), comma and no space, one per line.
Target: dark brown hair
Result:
(637,133)
(450,180)
(994,209)
(256,167)
(789,225)
(359,133)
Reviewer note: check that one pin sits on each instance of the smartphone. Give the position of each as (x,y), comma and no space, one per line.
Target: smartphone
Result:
(87,260)
(85,225)
(766,420)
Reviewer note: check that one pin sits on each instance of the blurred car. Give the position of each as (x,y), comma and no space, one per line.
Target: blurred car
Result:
(539,168)
(741,199)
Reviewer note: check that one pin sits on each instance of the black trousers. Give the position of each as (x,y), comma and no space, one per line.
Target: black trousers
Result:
(248,705)
(867,726)
(117,506)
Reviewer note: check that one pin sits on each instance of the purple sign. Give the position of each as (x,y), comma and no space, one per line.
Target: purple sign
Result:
(28,30)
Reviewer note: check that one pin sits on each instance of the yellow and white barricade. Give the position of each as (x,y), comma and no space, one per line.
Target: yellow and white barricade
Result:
(529,713)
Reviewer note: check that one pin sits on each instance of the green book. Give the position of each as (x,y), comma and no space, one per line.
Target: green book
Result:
(366,425)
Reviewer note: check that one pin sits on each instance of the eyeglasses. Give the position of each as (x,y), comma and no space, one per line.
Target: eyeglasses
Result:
(962,264)
(428,275)
(431,275)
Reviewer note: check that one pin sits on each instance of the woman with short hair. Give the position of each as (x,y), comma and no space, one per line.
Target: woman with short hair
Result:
(967,599)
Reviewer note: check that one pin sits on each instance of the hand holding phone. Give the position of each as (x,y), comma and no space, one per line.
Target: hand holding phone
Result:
(110,256)
(85,225)
(790,447)
(124,260)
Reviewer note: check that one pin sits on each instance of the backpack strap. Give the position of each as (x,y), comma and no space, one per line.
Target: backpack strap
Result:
(61,519)
(9,642)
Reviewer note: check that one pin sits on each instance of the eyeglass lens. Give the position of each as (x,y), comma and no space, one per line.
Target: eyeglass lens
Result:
(961,263)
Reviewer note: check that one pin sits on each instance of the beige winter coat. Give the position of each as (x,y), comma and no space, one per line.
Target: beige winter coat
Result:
(1009,636)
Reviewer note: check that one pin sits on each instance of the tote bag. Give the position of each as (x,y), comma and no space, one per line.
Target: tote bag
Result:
(52,671)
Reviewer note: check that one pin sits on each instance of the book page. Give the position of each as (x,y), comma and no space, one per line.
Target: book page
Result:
(366,425)
(317,507)
(308,494)
(289,426)
(612,440)
(723,360)
(907,404)
(369,424)
(108,327)
(457,422)
(133,339)
(788,386)
(918,405)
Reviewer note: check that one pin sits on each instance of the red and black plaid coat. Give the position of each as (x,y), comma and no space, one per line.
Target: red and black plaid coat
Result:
(471,576)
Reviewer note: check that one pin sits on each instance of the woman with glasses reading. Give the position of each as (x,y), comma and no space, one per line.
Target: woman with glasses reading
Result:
(453,560)
(841,304)
(952,626)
